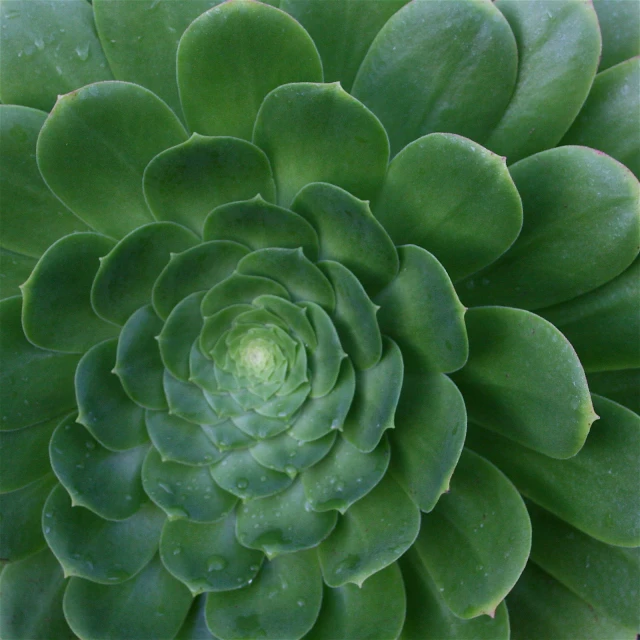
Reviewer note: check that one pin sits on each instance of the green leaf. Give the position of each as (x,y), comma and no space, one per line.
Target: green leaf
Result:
(106,482)
(127,274)
(107,412)
(259,225)
(231,57)
(571,196)
(343,31)
(614,97)
(524,381)
(186,550)
(428,615)
(344,476)
(106,611)
(596,490)
(27,202)
(619,21)
(452,197)
(180,441)
(100,550)
(439,66)
(375,610)
(26,455)
(283,523)
(186,182)
(196,269)
(558,52)
(195,625)
(372,534)
(348,233)
(540,607)
(184,491)
(282,603)
(319,133)
(260,427)
(427,441)
(48,48)
(188,401)
(57,312)
(375,400)
(604,576)
(476,541)
(20,527)
(421,311)
(43,378)
(121,127)
(140,40)
(31,604)
(138,362)
(619,386)
(293,316)
(14,270)
(603,325)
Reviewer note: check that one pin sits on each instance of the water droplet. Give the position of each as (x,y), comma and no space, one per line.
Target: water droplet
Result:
(177,551)
(90,445)
(39,42)
(290,470)
(165,488)
(216,563)
(47,529)
(301,602)
(242,483)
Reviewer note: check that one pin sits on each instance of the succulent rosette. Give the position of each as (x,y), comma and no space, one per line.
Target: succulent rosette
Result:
(303,308)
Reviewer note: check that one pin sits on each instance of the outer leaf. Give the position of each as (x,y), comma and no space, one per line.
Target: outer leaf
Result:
(558,52)
(188,401)
(231,57)
(26,199)
(186,182)
(57,312)
(195,625)
(476,541)
(14,270)
(105,611)
(371,535)
(427,442)
(581,491)
(619,386)
(319,133)
(570,196)
(619,23)
(48,48)
(422,313)
(452,197)
(282,603)
(420,74)
(31,604)
(524,380)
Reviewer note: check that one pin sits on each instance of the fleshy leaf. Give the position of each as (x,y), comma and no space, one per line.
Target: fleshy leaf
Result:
(15,268)
(421,75)
(421,311)
(26,199)
(372,534)
(186,550)
(452,197)
(524,381)
(283,523)
(614,97)
(232,56)
(57,312)
(43,378)
(348,233)
(375,610)
(558,52)
(619,386)
(184,491)
(120,126)
(186,182)
(603,325)
(90,547)
(427,441)
(188,401)
(107,412)
(375,400)
(476,541)
(47,49)
(282,603)
(294,317)
(195,624)
(319,133)
(619,21)
(570,196)
(106,482)
(106,611)
(126,275)
(595,490)
(31,604)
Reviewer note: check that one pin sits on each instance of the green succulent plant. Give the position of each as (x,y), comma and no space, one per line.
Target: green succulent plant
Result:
(298,301)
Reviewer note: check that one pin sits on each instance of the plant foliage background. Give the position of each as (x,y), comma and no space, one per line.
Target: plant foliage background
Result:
(319,319)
